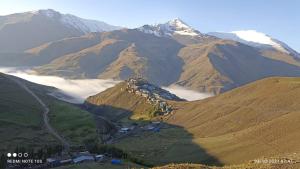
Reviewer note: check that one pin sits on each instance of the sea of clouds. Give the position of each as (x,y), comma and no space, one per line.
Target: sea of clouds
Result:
(189,95)
(80,89)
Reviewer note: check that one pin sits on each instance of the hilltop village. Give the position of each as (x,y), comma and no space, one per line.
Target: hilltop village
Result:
(154,94)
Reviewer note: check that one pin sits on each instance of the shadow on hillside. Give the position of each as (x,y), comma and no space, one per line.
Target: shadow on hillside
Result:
(243,64)
(170,144)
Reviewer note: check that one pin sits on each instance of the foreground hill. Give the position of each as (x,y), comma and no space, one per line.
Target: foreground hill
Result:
(259,119)
(21,116)
(254,121)
(241,166)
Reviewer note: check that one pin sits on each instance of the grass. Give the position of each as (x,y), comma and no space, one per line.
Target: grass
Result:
(17,106)
(15,135)
(21,122)
(240,166)
(169,145)
(74,124)
(93,165)
(20,118)
(257,120)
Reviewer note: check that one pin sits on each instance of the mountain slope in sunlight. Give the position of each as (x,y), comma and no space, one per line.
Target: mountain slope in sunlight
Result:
(255,120)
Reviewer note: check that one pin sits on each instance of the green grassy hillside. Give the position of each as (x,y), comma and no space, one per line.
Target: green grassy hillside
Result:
(76,125)
(128,165)
(21,118)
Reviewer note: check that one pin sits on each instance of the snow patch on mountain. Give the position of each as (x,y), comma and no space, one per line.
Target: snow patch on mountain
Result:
(83,25)
(175,26)
(47,12)
(255,39)
(258,37)
(86,25)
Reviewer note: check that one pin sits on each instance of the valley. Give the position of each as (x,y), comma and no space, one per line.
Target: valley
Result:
(216,134)
(131,121)
(81,93)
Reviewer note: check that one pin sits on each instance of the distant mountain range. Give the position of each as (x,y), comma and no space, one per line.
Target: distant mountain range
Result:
(22,31)
(165,54)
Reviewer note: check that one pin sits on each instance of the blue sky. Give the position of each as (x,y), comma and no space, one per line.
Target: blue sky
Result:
(277,18)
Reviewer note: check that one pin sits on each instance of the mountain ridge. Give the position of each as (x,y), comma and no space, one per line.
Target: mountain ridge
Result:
(148,53)
(22,31)
(197,61)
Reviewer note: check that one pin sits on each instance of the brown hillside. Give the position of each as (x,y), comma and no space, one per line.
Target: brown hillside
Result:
(259,119)
(241,166)
(198,71)
(47,52)
(222,65)
(206,65)
(153,57)
(211,66)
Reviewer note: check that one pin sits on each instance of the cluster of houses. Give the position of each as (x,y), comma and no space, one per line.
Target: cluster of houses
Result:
(153,126)
(154,94)
(80,157)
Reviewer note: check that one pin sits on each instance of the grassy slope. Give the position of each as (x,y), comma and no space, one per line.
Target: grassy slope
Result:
(154,148)
(253,121)
(259,119)
(72,122)
(170,145)
(21,122)
(241,166)
(101,166)
(20,118)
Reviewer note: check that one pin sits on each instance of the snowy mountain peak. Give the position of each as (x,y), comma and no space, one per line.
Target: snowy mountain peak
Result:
(46,12)
(256,39)
(170,28)
(83,25)
(178,23)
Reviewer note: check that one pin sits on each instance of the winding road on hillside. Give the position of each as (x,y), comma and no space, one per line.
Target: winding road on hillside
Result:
(46,110)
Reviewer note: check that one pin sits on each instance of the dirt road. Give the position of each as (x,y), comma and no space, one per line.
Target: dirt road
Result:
(45,114)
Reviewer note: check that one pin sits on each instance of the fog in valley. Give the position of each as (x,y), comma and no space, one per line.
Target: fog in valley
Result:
(189,95)
(80,89)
